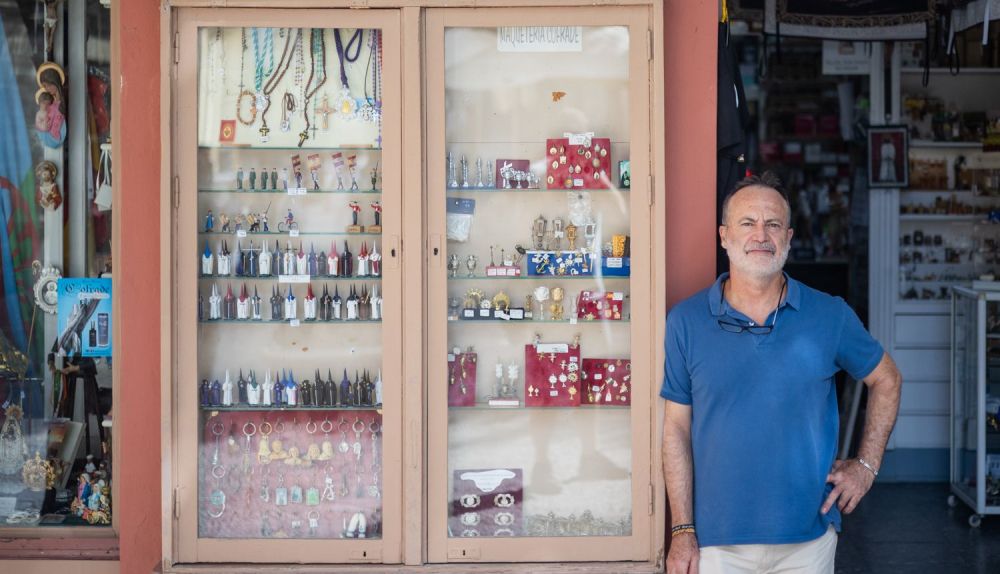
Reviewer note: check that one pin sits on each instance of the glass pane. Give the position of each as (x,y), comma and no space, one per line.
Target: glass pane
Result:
(539,384)
(966,380)
(289,293)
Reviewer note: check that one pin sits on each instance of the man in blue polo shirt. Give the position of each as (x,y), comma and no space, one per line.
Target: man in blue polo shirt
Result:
(751,423)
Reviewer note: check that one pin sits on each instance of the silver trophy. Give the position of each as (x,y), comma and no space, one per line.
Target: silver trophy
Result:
(465,172)
(452,182)
(479,173)
(489,175)
(454,265)
(471,262)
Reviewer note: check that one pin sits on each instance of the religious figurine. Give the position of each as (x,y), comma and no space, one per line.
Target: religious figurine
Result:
(278,451)
(363,260)
(263,451)
(333,261)
(214,304)
(224,223)
(364,304)
(454,265)
(229,304)
(243,304)
(205,393)
(276,304)
(378,389)
(287,259)
(326,304)
(312,264)
(241,390)
(239,179)
(227,391)
(452,180)
(291,391)
(375,261)
(309,305)
(346,262)
(352,305)
(336,303)
(291,307)
(264,260)
(301,262)
(346,399)
(278,397)
(216,393)
(240,260)
(306,400)
(207,260)
(47,186)
(376,304)
(253,390)
(267,391)
(322,270)
(223,258)
(50,119)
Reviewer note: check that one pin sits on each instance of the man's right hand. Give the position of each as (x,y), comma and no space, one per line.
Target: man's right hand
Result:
(683,557)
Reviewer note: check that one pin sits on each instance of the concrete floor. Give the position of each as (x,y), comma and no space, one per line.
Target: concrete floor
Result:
(909,528)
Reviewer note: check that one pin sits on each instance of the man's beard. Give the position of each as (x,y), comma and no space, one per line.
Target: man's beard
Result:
(745,263)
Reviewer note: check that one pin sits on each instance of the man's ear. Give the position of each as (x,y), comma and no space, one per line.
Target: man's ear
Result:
(722,235)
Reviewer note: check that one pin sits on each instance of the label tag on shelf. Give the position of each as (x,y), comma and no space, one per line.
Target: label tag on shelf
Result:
(451,357)
(553,393)
(572,320)
(293,278)
(613,262)
(579,139)
(578,182)
(241,233)
(293,322)
(293,233)
(297,191)
(552,348)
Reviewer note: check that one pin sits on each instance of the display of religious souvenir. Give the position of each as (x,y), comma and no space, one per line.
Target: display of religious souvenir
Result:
(375,261)
(487,502)
(551,374)
(560,263)
(607,382)
(355,212)
(580,161)
(47,188)
(50,119)
(505,390)
(516,174)
(462,377)
(556,308)
(599,306)
(617,262)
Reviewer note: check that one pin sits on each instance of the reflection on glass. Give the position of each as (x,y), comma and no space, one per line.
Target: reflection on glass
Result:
(289,286)
(538,261)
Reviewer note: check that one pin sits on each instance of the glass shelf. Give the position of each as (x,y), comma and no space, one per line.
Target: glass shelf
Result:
(517,190)
(538,277)
(286,321)
(285,192)
(521,407)
(249,408)
(292,148)
(275,278)
(530,321)
(285,233)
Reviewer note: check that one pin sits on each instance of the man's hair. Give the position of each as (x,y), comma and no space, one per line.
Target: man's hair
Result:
(767,179)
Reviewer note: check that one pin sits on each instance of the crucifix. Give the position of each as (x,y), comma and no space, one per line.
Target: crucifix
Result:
(325,110)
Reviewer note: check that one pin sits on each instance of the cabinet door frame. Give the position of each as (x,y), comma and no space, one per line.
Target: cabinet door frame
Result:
(646,255)
(181,284)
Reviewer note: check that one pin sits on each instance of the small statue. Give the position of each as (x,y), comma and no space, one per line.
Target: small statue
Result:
(239,179)
(209,222)
(556,308)
(48,190)
(224,223)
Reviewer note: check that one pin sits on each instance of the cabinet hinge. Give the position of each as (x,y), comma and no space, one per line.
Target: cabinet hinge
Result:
(649,45)
(177,47)
(649,192)
(177,504)
(652,499)
(177,192)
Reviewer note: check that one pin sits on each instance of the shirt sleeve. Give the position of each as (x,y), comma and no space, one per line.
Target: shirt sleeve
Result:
(676,377)
(858,352)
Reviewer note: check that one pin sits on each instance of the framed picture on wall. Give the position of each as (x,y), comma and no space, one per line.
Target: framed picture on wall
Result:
(888,152)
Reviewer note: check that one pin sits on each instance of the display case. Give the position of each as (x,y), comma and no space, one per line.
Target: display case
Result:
(287,287)
(975,401)
(540,292)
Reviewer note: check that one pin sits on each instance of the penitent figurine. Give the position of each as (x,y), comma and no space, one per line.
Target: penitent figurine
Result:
(209,222)
(214,304)
(291,307)
(375,261)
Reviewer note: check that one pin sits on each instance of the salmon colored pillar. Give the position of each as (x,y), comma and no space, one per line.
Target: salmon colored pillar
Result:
(690,110)
(137,271)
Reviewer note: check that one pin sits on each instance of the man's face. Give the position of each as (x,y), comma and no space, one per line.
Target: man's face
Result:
(756,234)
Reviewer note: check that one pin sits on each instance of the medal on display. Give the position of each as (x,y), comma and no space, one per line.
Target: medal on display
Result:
(346,105)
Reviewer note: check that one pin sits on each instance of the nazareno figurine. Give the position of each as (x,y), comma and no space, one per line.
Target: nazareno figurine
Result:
(276,309)
(278,391)
(205,393)
(241,389)
(209,222)
(346,395)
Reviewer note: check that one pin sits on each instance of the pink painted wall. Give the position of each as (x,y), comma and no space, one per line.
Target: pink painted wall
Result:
(137,405)
(690,32)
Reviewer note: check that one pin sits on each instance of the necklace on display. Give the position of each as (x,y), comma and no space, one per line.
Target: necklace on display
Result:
(317,72)
(287,108)
(371,110)
(299,73)
(259,53)
(245,93)
(345,103)
(275,79)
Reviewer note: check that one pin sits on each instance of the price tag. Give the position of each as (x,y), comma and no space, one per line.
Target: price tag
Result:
(579,139)
(572,320)
(293,322)
(297,191)
(553,393)
(617,296)
(293,278)
(595,388)
(293,233)
(578,182)
(241,233)
(451,357)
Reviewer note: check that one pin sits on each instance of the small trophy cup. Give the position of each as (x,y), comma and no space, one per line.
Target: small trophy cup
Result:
(470,262)
(454,265)
(452,181)
(541,295)
(571,236)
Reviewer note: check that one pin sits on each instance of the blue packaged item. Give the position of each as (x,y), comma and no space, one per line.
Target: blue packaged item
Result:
(616,266)
(559,263)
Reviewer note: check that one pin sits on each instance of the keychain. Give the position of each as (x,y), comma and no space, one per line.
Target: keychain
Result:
(313,522)
(328,491)
(358,427)
(343,446)
(246,450)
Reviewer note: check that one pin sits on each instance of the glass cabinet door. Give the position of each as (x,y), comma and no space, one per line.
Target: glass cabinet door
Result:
(287,287)
(538,321)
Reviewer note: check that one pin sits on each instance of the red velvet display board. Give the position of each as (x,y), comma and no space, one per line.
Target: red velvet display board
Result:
(600,306)
(607,382)
(462,379)
(568,166)
(551,375)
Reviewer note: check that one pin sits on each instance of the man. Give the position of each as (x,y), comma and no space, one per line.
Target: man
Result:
(751,422)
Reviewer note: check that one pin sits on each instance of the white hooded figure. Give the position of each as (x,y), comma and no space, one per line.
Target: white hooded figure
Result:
(264,261)
(288,260)
(215,303)
(267,389)
(223,257)
(887,163)
(301,262)
(376,303)
(227,391)
(291,307)
(378,388)
(207,261)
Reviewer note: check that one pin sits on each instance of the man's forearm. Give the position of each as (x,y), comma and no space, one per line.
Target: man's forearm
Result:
(883,405)
(678,473)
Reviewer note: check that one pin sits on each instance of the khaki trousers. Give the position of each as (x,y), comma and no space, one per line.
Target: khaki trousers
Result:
(812,557)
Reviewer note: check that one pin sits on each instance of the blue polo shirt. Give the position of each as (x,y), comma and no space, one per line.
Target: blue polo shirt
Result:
(764,419)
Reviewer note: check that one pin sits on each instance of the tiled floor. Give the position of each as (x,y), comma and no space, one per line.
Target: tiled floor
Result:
(909,528)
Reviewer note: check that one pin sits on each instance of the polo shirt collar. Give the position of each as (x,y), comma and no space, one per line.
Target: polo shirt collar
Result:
(793,297)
